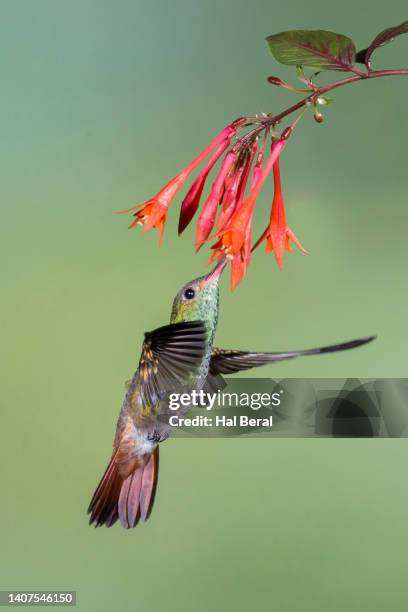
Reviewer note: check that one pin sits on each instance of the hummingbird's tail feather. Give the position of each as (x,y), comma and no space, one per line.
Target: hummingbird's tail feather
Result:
(127,499)
(138,492)
(103,507)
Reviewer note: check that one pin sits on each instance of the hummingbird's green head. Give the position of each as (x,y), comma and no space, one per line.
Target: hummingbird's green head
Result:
(198,299)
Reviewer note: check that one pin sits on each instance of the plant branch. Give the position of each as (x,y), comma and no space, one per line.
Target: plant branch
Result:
(311,99)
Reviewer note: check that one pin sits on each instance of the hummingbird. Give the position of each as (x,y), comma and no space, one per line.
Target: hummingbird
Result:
(177,356)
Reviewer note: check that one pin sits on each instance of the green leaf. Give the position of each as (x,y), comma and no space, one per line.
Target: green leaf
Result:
(383,38)
(314,48)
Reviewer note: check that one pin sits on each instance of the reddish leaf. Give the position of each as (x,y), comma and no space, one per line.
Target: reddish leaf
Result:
(314,48)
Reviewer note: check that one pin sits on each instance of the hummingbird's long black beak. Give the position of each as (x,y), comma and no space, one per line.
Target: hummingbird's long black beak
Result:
(215,274)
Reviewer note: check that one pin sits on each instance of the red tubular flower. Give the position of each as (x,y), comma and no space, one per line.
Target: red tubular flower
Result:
(235,244)
(278,234)
(229,198)
(234,195)
(192,199)
(234,239)
(153,212)
(242,187)
(257,171)
(207,216)
(241,261)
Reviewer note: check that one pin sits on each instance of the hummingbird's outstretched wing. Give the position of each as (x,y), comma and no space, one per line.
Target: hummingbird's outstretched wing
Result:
(171,356)
(228,362)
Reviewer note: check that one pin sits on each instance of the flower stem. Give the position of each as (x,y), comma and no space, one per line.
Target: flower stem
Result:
(372,74)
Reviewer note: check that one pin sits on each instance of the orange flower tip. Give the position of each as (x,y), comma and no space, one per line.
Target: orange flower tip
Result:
(122,212)
(203,237)
(236,279)
(294,239)
(135,224)
(300,247)
(234,283)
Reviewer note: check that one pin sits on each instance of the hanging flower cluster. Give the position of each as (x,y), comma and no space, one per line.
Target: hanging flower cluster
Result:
(227,211)
(249,150)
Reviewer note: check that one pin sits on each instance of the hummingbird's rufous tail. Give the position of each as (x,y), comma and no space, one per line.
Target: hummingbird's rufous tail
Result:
(128,499)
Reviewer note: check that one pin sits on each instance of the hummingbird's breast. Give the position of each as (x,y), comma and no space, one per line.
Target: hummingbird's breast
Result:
(204,368)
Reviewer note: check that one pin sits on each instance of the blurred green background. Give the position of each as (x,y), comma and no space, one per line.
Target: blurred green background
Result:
(101,103)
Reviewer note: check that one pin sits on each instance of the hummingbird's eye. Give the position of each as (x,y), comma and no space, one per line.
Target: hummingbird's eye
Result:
(189,293)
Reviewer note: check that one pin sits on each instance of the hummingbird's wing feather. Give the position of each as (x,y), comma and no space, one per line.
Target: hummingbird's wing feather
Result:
(228,362)
(171,356)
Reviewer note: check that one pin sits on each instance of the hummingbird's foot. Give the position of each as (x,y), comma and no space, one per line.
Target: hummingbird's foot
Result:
(156,437)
